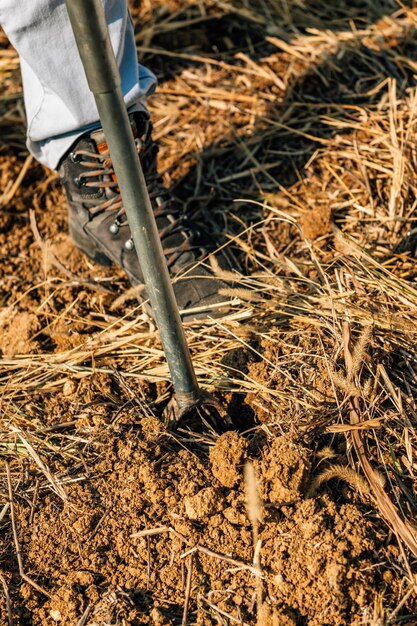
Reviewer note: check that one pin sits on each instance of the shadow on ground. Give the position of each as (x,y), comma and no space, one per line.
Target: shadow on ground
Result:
(284,138)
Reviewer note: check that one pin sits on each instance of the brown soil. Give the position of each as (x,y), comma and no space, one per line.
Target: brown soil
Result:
(302,109)
(16,330)
(138,480)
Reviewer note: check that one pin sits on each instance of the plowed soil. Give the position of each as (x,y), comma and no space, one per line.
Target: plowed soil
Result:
(320,555)
(290,126)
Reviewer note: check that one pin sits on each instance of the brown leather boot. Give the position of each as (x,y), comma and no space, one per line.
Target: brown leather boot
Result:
(98,224)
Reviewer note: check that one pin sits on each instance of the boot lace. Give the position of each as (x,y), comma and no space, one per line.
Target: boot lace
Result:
(99,174)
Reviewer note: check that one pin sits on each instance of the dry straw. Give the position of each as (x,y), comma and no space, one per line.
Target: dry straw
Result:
(301,146)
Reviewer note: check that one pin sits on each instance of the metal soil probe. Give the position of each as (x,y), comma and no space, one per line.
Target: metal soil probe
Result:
(92,36)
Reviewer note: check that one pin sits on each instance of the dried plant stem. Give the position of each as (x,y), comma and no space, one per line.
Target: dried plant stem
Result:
(148,532)
(216,609)
(56,487)
(83,619)
(7,598)
(401,603)
(187,590)
(201,549)
(16,540)
(383,502)
(254,511)
(7,197)
(222,557)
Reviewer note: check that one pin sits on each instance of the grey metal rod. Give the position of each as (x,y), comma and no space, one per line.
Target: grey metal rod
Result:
(91,33)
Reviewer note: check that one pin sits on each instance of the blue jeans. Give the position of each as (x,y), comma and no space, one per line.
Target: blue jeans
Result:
(59,105)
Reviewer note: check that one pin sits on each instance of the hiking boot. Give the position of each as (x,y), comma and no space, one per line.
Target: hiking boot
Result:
(98,224)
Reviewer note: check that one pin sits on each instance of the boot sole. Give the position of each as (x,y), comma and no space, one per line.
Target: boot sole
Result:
(88,246)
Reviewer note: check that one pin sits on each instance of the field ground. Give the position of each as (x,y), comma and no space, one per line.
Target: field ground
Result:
(290,126)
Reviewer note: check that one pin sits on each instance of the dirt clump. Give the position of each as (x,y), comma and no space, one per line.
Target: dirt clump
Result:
(270,616)
(86,550)
(152,428)
(16,331)
(283,469)
(314,564)
(203,504)
(316,222)
(226,458)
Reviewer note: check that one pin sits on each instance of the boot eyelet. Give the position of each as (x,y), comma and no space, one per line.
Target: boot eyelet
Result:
(114,228)
(129,245)
(78,182)
(73,157)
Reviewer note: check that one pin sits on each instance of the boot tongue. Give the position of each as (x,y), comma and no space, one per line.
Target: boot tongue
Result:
(98,137)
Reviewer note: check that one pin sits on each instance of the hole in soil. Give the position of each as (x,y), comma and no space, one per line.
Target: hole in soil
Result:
(241,414)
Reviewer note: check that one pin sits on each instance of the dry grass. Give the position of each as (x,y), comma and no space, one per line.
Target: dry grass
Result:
(294,130)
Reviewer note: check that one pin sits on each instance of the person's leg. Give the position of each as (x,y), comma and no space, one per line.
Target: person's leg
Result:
(64,133)
(59,104)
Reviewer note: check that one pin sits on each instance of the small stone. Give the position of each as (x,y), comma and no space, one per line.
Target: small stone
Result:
(69,387)
(56,615)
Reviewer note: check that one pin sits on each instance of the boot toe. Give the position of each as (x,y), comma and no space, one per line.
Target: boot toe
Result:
(201,295)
